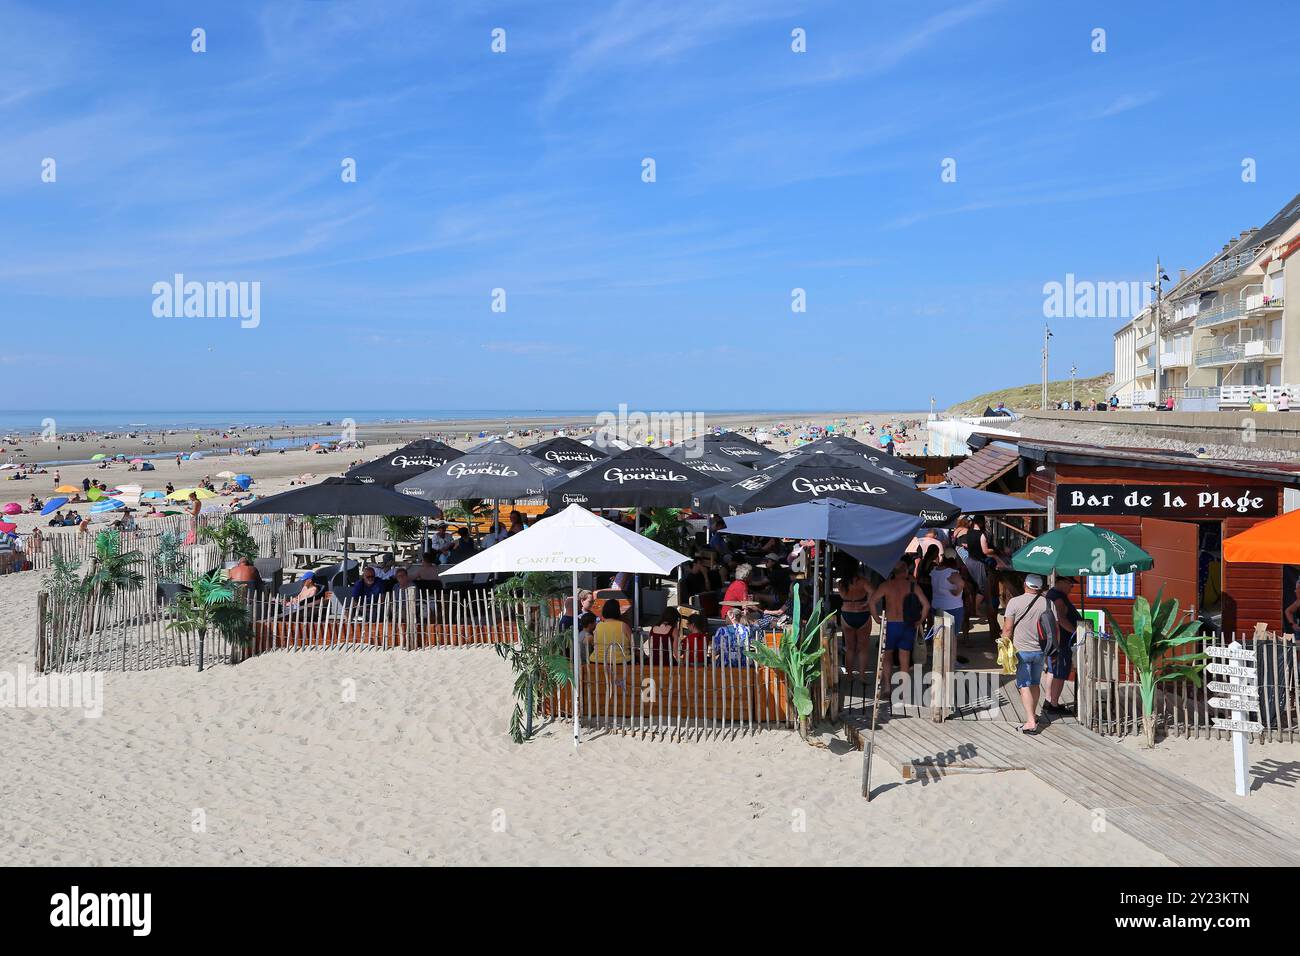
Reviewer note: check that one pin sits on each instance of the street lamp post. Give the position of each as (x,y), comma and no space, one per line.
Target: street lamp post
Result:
(1047,334)
(1073,371)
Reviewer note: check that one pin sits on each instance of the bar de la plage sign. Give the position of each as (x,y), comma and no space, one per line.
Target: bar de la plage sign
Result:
(1168,501)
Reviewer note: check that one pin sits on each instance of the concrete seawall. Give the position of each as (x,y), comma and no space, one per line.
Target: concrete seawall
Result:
(1279,431)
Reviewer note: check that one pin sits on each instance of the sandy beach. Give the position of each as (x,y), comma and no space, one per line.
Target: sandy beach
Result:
(267,763)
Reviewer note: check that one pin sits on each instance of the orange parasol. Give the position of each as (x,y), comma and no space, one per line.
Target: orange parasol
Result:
(1275,541)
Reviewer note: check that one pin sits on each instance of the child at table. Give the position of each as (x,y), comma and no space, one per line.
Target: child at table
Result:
(695,645)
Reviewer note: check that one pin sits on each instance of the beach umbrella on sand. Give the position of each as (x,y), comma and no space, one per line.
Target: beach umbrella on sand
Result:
(503,474)
(573,540)
(707,460)
(68,490)
(827,476)
(974,501)
(742,449)
(94,494)
(146,466)
(405,463)
(54,504)
(106,504)
(1081,549)
(13,508)
(636,478)
(1275,541)
(852,447)
(873,535)
(181,494)
(137,461)
(566,453)
(100,457)
(153,494)
(225,474)
(7,527)
(341,496)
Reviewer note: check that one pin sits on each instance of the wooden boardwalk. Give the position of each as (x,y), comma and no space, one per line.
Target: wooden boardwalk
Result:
(1189,825)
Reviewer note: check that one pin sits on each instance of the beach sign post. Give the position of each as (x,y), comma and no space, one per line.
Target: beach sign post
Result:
(1237,664)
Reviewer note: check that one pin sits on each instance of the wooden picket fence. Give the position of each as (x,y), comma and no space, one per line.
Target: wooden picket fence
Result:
(1110,702)
(678,701)
(132,632)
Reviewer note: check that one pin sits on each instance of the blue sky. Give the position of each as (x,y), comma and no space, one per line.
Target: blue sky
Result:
(522,171)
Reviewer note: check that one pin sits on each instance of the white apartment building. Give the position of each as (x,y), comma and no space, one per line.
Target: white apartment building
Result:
(1229,333)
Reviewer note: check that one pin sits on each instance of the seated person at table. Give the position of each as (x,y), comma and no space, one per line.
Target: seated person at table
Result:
(311,589)
(663,645)
(427,569)
(695,644)
(778,578)
(569,611)
(441,543)
(695,581)
(738,590)
(402,579)
(387,569)
(464,547)
(244,572)
(586,637)
(732,639)
(613,637)
(368,585)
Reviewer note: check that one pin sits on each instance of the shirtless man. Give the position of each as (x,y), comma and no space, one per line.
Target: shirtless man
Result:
(900,635)
(427,569)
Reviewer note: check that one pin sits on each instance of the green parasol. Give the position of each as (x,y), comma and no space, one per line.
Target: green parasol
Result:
(1081,549)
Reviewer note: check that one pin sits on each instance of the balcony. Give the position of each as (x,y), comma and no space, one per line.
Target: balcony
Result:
(1180,358)
(1223,355)
(1264,304)
(1146,341)
(1142,369)
(1228,312)
(1261,348)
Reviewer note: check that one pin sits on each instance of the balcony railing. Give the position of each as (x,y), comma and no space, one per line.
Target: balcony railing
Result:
(1260,304)
(1244,395)
(1228,312)
(1141,369)
(1176,359)
(1224,355)
(1146,341)
(1262,348)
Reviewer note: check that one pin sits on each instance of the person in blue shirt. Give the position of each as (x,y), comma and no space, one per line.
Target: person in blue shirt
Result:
(369,585)
(731,641)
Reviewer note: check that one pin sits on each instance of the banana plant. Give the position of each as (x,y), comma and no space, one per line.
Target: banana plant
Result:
(1152,649)
(232,538)
(797,656)
(666,526)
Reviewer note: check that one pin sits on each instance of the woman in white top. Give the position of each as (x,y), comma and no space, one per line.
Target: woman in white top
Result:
(947,589)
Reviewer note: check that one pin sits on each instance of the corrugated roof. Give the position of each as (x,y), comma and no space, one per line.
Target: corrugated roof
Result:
(1048,452)
(985,466)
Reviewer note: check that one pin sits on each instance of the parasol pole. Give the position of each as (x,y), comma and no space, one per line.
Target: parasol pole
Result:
(875,708)
(577,665)
(636,583)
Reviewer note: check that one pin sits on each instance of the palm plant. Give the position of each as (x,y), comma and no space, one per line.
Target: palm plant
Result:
(798,657)
(469,511)
(540,668)
(63,583)
(212,605)
(1151,647)
(666,526)
(168,558)
(535,589)
(112,570)
(401,528)
(232,538)
(320,525)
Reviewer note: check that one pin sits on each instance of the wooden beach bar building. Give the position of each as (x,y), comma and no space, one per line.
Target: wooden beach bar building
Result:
(1176,506)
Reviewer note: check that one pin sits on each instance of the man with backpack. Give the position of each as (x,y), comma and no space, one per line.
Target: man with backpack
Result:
(1021,623)
(1059,658)
(905,607)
